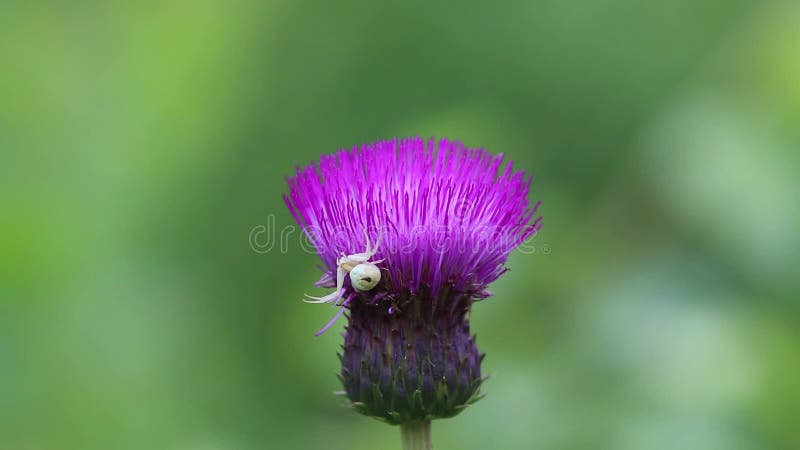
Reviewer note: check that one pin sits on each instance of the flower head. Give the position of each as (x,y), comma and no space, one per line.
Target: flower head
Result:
(447,215)
(410,234)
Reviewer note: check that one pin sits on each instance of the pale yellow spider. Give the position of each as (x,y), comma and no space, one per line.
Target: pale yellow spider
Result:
(364,274)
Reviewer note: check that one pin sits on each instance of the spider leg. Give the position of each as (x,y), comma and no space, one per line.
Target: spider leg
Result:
(340,273)
(334,296)
(363,257)
(377,244)
(330,298)
(341,259)
(370,251)
(359,257)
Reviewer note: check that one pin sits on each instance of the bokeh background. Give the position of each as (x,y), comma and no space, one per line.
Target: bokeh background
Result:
(141,143)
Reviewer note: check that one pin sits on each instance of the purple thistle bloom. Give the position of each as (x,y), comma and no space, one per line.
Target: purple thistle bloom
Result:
(438,221)
(446,218)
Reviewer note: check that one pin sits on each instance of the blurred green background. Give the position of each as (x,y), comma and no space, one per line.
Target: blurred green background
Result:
(140,144)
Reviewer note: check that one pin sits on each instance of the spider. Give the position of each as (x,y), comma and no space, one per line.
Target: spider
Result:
(364,274)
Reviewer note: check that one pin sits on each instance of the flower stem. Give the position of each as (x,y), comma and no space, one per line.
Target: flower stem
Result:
(416,435)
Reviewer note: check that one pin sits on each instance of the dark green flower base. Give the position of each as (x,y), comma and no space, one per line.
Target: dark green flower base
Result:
(417,364)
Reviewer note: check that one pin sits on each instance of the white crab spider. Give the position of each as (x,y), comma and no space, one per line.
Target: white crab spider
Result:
(364,274)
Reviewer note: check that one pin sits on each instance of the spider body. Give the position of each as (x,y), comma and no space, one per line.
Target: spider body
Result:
(364,274)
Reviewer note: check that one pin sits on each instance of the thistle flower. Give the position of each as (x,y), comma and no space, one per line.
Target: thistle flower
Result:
(410,234)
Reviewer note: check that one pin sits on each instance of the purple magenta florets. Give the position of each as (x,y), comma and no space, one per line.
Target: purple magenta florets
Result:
(438,221)
(448,215)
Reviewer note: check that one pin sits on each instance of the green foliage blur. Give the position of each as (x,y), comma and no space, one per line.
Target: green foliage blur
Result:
(141,143)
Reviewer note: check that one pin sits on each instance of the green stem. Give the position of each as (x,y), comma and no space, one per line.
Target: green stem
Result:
(416,435)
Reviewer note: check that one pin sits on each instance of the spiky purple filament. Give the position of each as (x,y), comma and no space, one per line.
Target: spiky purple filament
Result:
(448,215)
